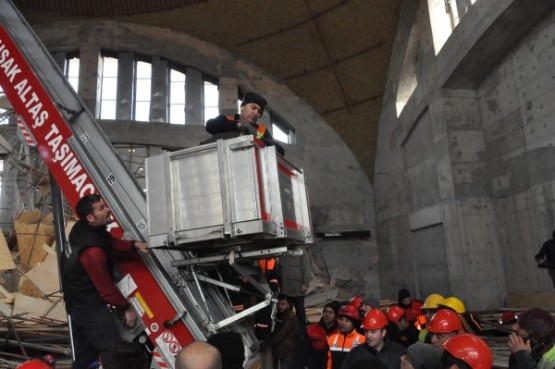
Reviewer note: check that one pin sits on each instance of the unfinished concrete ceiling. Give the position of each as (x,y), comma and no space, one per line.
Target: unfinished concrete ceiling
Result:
(332,53)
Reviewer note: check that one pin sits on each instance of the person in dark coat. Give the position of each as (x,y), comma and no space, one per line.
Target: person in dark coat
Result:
(388,352)
(244,123)
(89,284)
(318,334)
(546,257)
(285,340)
(296,273)
(532,344)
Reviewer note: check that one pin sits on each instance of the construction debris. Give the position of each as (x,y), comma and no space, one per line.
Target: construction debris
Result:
(33,320)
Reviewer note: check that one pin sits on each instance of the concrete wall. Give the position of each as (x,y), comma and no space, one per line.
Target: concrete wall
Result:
(340,193)
(464,175)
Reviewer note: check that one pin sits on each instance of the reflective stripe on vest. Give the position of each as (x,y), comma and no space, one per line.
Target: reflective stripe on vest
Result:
(267,264)
(260,134)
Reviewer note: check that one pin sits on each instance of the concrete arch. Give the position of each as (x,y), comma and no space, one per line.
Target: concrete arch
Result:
(340,193)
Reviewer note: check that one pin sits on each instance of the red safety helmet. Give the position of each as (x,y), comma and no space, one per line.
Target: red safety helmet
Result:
(47,362)
(356,302)
(394,313)
(317,336)
(444,321)
(470,349)
(508,317)
(374,319)
(349,311)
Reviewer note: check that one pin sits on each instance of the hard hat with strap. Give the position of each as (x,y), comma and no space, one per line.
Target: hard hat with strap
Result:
(454,304)
(374,319)
(470,349)
(349,311)
(394,313)
(432,301)
(445,321)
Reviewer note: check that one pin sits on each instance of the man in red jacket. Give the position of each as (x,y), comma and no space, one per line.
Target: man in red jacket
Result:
(87,269)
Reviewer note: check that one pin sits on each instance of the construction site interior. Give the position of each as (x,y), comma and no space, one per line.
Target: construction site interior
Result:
(422,133)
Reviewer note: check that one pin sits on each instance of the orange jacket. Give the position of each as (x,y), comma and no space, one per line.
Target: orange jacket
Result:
(340,345)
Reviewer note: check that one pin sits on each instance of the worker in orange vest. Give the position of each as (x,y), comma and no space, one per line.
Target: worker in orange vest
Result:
(252,108)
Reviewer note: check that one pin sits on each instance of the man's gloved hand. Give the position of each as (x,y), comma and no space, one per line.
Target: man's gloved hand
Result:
(246,128)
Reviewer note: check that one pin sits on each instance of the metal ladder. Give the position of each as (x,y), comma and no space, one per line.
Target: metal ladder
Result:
(193,305)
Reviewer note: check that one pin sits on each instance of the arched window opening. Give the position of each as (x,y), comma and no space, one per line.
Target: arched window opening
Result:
(408,80)
(211,100)
(138,103)
(281,131)
(177,97)
(142,92)
(445,15)
(109,88)
(72,72)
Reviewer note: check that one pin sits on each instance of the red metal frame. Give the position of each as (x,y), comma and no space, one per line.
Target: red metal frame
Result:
(52,133)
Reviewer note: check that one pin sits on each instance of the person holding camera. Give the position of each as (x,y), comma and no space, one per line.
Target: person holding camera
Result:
(546,257)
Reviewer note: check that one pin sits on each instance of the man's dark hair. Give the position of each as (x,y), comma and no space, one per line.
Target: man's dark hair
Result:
(282,297)
(231,349)
(85,205)
(539,324)
(447,359)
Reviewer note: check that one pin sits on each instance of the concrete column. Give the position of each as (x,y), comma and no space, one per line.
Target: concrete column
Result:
(90,77)
(194,99)
(227,91)
(124,104)
(159,91)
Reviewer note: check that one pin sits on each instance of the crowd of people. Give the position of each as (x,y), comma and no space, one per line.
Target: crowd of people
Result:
(410,334)
(360,334)
(438,333)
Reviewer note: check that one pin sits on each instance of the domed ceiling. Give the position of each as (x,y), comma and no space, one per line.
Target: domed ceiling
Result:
(333,53)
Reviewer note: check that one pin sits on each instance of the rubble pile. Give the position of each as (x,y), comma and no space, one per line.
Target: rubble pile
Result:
(33,320)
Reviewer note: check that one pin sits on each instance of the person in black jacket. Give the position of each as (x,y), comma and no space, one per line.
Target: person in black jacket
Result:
(89,285)
(388,352)
(532,344)
(285,340)
(244,123)
(546,257)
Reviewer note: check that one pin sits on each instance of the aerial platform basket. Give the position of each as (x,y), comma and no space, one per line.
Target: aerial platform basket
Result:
(227,193)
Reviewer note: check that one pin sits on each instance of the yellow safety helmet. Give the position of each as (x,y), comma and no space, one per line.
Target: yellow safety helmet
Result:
(454,304)
(432,301)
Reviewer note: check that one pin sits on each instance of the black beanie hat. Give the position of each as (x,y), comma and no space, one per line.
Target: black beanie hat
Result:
(403,294)
(334,305)
(253,97)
